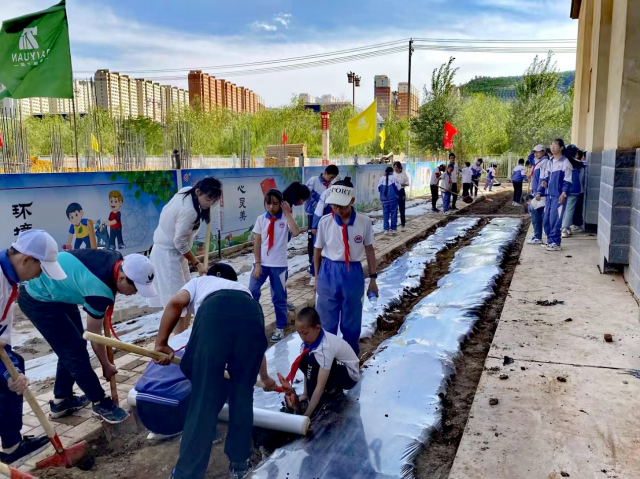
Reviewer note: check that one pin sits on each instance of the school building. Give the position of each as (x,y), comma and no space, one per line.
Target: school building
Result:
(606,122)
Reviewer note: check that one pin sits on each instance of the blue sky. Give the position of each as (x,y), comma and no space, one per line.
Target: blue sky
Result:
(130,35)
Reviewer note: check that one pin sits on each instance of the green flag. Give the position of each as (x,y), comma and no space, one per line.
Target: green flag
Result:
(35,60)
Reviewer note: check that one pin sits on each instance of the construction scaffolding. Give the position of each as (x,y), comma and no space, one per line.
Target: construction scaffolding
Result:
(14,151)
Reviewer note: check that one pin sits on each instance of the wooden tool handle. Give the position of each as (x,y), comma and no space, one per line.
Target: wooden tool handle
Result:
(107,334)
(28,395)
(13,473)
(207,244)
(132,348)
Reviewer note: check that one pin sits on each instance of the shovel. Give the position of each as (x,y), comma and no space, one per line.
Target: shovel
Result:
(13,473)
(131,348)
(466,199)
(75,455)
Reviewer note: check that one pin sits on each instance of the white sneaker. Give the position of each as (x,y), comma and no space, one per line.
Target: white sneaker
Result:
(534,240)
(402,227)
(553,247)
(277,335)
(565,234)
(393,232)
(312,281)
(575,229)
(386,232)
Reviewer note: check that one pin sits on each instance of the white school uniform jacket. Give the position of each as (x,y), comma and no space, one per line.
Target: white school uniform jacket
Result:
(176,225)
(332,347)
(277,256)
(454,175)
(204,286)
(466,174)
(446,180)
(434,177)
(402,177)
(329,237)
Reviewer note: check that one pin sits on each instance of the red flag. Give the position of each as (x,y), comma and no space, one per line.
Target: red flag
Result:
(0,140)
(449,132)
(284,137)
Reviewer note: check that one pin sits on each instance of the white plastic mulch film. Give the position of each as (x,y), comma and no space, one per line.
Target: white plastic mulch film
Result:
(382,424)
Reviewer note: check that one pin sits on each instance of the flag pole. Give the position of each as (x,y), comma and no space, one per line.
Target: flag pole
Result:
(75,130)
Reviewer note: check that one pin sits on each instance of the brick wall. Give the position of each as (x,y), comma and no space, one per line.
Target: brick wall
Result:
(592,188)
(632,271)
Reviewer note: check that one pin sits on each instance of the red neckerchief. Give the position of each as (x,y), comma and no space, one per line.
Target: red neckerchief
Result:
(345,239)
(294,366)
(271,230)
(12,298)
(109,313)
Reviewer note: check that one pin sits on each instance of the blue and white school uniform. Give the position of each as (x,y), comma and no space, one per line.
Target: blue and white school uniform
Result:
(558,175)
(322,208)
(537,214)
(317,186)
(518,176)
(446,182)
(389,188)
(340,285)
(491,173)
(574,193)
(274,263)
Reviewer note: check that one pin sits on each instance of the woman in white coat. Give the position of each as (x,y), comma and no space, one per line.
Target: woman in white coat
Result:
(179,223)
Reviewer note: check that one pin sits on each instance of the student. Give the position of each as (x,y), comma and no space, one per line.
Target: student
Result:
(574,191)
(477,174)
(403,179)
(578,218)
(491,173)
(317,185)
(467,175)
(454,178)
(445,184)
(344,239)
(179,223)
(228,331)
(434,186)
(517,178)
(296,194)
(540,162)
(94,277)
(330,365)
(558,176)
(388,186)
(271,234)
(33,253)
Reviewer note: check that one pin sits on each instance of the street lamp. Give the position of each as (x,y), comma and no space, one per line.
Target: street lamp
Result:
(355,81)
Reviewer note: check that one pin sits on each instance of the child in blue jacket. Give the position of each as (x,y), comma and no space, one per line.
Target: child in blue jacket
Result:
(558,178)
(517,178)
(389,189)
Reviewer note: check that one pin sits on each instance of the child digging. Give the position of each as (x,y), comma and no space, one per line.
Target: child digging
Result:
(272,233)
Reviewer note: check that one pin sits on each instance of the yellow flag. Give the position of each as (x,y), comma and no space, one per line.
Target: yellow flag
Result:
(94,143)
(362,127)
(383,136)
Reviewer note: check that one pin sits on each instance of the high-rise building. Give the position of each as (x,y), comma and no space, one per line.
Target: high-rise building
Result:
(404,98)
(108,90)
(306,98)
(211,92)
(382,93)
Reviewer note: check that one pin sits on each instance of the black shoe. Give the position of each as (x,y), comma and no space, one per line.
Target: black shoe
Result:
(67,406)
(238,470)
(454,208)
(107,410)
(29,446)
(435,210)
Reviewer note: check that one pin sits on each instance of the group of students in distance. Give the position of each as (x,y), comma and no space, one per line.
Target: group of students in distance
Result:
(557,181)
(445,178)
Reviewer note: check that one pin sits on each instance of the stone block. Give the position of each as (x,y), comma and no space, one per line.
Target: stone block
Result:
(618,254)
(621,216)
(620,235)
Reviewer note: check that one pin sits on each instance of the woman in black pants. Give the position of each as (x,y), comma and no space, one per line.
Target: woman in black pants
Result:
(403,179)
(434,185)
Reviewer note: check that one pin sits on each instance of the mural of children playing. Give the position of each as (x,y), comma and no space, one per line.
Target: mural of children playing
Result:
(115,220)
(80,227)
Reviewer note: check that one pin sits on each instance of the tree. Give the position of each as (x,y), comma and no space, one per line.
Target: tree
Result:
(482,124)
(440,105)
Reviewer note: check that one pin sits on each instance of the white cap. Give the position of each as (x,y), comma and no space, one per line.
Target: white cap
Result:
(139,269)
(41,246)
(340,195)
(539,148)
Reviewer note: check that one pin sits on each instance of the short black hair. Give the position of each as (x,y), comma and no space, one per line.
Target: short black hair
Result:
(309,316)
(332,170)
(345,182)
(397,164)
(480,160)
(521,161)
(271,195)
(452,154)
(121,270)
(224,271)
(72,208)
(528,197)
(467,163)
(295,192)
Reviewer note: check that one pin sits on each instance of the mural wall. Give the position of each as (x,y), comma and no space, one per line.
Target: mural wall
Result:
(121,210)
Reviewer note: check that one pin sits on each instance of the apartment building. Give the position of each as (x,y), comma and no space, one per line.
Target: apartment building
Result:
(210,92)
(382,93)
(405,98)
(108,90)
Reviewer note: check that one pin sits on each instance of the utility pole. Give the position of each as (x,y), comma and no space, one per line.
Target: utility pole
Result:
(75,129)
(409,95)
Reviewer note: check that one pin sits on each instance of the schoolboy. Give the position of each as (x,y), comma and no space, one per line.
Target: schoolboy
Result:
(467,175)
(454,182)
(344,238)
(330,365)
(33,253)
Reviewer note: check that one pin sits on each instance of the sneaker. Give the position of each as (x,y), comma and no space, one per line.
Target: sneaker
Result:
(575,229)
(121,246)
(291,307)
(239,470)
(454,208)
(435,210)
(277,335)
(534,240)
(553,247)
(109,412)
(67,406)
(565,234)
(29,446)
(312,281)
(402,227)
(393,232)
(386,232)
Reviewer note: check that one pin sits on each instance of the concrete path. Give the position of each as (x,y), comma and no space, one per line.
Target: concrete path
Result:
(570,407)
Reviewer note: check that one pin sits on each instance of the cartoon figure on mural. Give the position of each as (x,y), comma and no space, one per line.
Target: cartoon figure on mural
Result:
(115,220)
(80,227)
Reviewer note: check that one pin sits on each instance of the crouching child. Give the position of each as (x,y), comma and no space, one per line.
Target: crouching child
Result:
(329,366)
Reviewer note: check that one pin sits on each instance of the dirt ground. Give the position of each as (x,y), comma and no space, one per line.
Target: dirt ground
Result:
(136,457)
(436,460)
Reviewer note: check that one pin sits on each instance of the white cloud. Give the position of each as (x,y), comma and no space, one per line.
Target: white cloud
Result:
(283,18)
(102,39)
(264,26)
